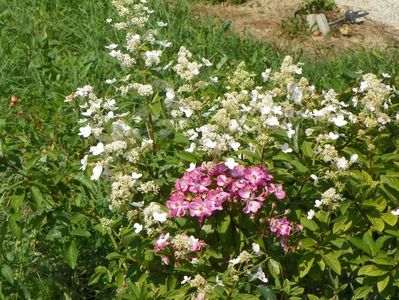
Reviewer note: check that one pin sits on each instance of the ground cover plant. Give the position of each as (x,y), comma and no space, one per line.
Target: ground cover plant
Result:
(207,170)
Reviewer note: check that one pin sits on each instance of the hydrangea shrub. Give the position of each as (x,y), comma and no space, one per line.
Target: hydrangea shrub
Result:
(225,184)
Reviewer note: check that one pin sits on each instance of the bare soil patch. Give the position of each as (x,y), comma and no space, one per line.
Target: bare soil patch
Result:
(262,20)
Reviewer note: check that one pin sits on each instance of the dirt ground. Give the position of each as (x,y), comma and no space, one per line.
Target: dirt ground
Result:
(263,20)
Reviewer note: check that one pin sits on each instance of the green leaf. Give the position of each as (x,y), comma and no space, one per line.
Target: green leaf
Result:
(274,267)
(332,261)
(13,224)
(307,243)
(32,161)
(80,232)
(375,219)
(85,182)
(382,284)
(312,297)
(362,292)
(309,224)
(292,161)
(222,61)
(341,224)
(389,218)
(7,273)
(378,204)
(368,240)
(266,293)
(185,156)
(17,202)
(361,244)
(307,149)
(371,270)
(223,224)
(305,265)
(37,196)
(242,296)
(71,255)
(390,186)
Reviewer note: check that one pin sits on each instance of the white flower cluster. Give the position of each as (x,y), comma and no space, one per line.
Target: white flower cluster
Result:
(330,199)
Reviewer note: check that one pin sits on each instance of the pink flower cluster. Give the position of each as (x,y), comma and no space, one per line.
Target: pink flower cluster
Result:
(281,227)
(203,190)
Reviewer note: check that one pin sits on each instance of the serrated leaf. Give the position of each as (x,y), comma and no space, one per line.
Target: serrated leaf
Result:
(71,255)
(332,261)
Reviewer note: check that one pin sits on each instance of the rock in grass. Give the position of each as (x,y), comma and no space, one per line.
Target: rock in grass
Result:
(312,22)
(323,24)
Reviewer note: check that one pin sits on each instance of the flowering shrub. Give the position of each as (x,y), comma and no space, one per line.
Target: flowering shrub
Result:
(334,235)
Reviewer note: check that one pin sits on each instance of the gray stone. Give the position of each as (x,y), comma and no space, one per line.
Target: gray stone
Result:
(323,24)
(312,22)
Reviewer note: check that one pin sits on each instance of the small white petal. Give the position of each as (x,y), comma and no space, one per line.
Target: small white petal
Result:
(339,120)
(162,24)
(230,163)
(354,158)
(286,148)
(191,148)
(136,175)
(333,136)
(85,131)
(83,161)
(97,150)
(192,167)
(206,62)
(187,111)
(310,214)
(160,217)
(137,227)
(97,170)
(110,81)
(395,212)
(112,46)
(185,279)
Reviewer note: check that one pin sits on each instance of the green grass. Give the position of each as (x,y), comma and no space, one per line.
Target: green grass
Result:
(50,47)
